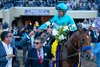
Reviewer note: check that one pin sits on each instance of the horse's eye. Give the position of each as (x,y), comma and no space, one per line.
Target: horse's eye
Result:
(82,41)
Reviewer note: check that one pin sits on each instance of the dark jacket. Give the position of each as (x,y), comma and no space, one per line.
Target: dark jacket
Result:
(15,61)
(3,60)
(98,38)
(94,39)
(50,41)
(34,62)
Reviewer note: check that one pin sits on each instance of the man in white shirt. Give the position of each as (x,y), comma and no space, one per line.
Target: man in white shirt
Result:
(8,55)
(9,50)
(6,52)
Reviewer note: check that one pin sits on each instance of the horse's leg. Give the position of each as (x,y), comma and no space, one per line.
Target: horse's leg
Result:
(70,65)
(64,64)
(63,52)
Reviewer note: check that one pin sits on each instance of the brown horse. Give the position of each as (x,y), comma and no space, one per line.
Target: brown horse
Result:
(74,43)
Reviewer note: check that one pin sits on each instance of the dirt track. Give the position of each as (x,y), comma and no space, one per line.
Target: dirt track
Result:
(86,63)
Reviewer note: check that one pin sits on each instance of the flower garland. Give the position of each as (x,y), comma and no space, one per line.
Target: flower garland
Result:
(53,49)
(60,34)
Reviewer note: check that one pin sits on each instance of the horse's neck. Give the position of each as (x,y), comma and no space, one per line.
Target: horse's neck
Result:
(74,38)
(74,35)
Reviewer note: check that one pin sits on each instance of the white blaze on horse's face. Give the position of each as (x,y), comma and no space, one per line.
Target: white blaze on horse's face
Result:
(89,40)
(87,36)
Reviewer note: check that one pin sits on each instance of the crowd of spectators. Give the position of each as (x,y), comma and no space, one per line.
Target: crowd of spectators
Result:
(82,5)
(72,4)
(46,33)
(89,25)
(17,31)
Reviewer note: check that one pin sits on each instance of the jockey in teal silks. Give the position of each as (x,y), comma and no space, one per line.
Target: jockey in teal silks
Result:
(60,19)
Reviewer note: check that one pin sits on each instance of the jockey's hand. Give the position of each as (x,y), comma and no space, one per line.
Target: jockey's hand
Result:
(53,59)
(31,33)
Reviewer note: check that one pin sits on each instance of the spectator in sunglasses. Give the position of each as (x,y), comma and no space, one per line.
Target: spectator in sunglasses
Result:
(8,53)
(38,54)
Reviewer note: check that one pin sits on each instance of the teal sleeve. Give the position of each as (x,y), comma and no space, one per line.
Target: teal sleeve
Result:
(43,26)
(53,19)
(96,49)
(72,22)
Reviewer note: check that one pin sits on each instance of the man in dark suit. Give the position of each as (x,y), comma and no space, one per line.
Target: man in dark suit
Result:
(40,53)
(50,38)
(8,54)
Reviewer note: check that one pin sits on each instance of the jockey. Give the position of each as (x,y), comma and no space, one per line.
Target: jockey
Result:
(60,19)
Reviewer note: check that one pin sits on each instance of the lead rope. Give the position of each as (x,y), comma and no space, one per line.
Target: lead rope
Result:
(79,59)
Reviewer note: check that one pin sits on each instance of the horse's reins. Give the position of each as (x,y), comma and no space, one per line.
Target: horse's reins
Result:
(50,59)
(78,51)
(72,45)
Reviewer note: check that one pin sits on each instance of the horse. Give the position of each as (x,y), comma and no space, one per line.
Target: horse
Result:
(72,47)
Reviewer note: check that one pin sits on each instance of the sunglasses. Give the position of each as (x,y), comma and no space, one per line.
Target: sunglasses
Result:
(9,36)
(36,42)
(60,11)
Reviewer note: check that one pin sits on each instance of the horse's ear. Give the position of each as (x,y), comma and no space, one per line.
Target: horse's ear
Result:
(80,30)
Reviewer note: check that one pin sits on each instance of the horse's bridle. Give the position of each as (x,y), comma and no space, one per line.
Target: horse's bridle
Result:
(79,43)
(71,44)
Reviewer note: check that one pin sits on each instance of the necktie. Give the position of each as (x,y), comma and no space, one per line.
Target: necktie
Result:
(40,57)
